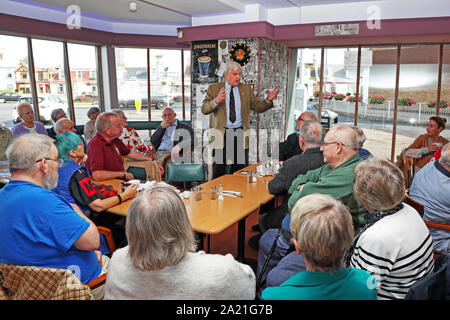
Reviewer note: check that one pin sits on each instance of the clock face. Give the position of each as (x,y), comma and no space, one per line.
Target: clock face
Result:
(240,53)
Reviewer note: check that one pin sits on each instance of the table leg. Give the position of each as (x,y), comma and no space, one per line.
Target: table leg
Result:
(199,237)
(241,240)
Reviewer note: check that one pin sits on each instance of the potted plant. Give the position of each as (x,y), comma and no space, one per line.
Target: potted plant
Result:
(338,96)
(443,104)
(408,102)
(376,100)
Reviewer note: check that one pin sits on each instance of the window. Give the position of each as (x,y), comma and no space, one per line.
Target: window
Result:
(165,87)
(83,61)
(187,86)
(306,88)
(377,88)
(417,89)
(339,86)
(13,76)
(49,63)
(165,82)
(131,72)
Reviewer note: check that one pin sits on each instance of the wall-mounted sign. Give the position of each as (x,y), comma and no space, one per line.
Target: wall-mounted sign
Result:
(240,53)
(204,61)
(337,29)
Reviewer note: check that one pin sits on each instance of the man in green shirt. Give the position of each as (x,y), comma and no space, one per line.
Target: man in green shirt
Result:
(340,154)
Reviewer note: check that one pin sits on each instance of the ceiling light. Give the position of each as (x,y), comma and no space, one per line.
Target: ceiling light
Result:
(132,6)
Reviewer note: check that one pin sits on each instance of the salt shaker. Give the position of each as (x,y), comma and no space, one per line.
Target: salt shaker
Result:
(198,195)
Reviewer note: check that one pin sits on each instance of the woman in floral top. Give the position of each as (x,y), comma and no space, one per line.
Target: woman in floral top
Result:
(132,140)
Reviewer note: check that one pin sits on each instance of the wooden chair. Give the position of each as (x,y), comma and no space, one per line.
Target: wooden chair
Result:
(420,209)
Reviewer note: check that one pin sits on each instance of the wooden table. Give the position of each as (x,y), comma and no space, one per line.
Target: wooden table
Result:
(210,216)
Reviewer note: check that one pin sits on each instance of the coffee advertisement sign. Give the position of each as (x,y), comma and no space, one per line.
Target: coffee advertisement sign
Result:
(204,61)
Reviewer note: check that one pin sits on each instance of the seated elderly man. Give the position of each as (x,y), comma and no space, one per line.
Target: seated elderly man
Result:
(27,125)
(169,137)
(105,151)
(310,141)
(431,188)
(37,227)
(290,147)
(66,125)
(340,154)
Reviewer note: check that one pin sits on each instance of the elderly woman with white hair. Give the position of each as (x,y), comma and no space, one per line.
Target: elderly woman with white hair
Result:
(361,138)
(322,231)
(395,244)
(89,127)
(27,125)
(160,261)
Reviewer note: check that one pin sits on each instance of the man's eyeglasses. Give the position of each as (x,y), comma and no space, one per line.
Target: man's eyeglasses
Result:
(326,144)
(60,162)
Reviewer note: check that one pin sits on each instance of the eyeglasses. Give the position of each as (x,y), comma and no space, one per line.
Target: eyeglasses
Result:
(60,162)
(326,144)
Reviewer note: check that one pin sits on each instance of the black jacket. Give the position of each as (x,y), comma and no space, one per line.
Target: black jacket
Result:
(157,136)
(289,147)
(299,164)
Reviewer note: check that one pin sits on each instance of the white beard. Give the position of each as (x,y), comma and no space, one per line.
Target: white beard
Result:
(51,180)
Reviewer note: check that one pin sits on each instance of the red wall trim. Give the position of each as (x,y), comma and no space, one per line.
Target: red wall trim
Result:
(260,29)
(423,30)
(394,31)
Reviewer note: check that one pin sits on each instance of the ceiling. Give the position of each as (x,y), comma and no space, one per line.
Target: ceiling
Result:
(166,15)
(172,11)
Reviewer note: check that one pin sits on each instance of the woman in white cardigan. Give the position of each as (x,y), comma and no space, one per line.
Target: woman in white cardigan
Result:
(160,261)
(395,244)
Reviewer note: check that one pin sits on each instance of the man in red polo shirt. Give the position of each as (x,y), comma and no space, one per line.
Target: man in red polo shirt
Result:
(105,150)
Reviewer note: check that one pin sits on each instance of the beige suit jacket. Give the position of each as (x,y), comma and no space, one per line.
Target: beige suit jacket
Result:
(218,117)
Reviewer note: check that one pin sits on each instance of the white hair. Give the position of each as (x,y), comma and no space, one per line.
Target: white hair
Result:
(104,120)
(445,156)
(24,151)
(232,65)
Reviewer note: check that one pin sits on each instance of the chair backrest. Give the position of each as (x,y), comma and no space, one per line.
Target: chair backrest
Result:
(413,203)
(138,172)
(184,172)
(36,283)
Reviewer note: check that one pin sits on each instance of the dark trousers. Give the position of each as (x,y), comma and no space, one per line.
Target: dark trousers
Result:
(233,156)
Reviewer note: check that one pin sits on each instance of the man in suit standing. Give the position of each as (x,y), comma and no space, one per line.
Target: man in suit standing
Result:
(230,103)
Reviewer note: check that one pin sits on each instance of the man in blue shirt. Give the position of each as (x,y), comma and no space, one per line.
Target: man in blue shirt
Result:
(37,227)
(431,187)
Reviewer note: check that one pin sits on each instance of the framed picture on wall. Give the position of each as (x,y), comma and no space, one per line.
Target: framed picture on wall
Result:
(204,61)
